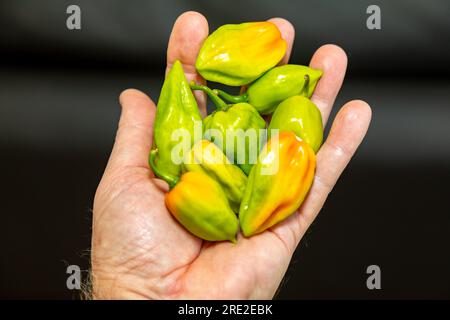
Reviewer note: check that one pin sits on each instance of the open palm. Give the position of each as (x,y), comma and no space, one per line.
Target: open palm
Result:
(140,251)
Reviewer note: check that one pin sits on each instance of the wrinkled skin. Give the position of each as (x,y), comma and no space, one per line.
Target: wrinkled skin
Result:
(140,251)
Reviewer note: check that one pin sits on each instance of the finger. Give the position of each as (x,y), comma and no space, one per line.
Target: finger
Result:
(332,60)
(347,132)
(186,39)
(135,132)
(287,33)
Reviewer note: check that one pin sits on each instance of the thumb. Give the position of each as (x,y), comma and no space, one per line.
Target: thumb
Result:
(135,132)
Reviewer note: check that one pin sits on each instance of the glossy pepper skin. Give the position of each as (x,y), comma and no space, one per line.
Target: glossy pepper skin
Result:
(301,116)
(207,158)
(237,54)
(271,198)
(177,108)
(199,204)
(235,119)
(277,85)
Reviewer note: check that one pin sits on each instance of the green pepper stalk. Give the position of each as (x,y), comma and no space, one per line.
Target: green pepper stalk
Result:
(212,94)
(170,179)
(231,98)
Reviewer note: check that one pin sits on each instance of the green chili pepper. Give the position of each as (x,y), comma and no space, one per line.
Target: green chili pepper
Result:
(237,54)
(241,123)
(301,116)
(277,85)
(177,109)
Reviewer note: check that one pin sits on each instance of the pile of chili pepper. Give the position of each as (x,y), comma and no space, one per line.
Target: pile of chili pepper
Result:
(212,194)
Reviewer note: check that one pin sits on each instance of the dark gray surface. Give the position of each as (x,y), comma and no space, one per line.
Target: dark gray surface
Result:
(59,112)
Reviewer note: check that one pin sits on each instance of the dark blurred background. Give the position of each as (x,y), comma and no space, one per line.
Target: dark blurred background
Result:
(59,112)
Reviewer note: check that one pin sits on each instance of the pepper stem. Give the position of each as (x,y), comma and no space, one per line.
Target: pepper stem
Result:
(170,179)
(231,98)
(305,86)
(212,94)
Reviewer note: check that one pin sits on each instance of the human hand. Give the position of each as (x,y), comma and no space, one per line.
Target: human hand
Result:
(140,251)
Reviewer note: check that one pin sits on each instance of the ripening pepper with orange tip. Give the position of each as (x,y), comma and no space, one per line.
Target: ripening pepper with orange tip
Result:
(278,183)
(237,54)
(211,220)
(208,158)
(208,193)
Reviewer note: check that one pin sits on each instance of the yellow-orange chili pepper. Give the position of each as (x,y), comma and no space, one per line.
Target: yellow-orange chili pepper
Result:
(212,220)
(206,157)
(277,184)
(237,54)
